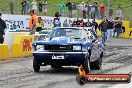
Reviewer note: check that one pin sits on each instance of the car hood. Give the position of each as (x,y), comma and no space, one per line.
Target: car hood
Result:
(64,41)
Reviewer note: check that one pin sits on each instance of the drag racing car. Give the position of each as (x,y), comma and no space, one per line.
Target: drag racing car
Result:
(68,46)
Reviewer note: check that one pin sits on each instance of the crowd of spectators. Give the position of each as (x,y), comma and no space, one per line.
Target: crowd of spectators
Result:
(85,9)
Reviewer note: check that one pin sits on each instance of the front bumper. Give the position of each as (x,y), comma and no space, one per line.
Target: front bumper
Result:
(70,58)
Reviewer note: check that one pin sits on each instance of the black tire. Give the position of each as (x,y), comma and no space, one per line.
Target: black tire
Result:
(36,65)
(86,64)
(98,63)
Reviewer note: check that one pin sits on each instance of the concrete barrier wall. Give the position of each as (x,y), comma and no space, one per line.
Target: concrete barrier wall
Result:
(4,52)
(22,46)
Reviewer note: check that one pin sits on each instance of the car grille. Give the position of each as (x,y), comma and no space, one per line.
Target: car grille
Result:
(59,47)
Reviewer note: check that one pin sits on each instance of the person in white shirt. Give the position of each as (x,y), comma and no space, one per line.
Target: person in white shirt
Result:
(118,13)
(34,5)
(82,8)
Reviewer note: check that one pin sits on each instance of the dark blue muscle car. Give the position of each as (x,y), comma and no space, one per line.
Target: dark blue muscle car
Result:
(68,46)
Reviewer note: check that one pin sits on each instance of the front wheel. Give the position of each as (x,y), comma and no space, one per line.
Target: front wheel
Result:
(86,64)
(98,63)
(36,65)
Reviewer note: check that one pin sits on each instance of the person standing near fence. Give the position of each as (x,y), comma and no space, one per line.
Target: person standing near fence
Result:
(74,10)
(88,8)
(118,13)
(40,6)
(45,7)
(61,8)
(69,5)
(102,11)
(11,4)
(110,11)
(2,28)
(93,12)
(34,5)
(96,10)
(23,3)
(32,22)
(27,6)
(82,8)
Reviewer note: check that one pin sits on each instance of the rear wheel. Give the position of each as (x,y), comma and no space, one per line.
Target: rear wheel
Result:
(36,65)
(86,64)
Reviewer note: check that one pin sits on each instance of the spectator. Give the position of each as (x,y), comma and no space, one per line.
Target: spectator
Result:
(93,12)
(27,6)
(94,25)
(57,15)
(88,8)
(74,23)
(82,24)
(110,29)
(45,7)
(74,10)
(61,8)
(69,5)
(118,27)
(102,11)
(2,28)
(65,24)
(118,13)
(82,8)
(103,27)
(40,5)
(11,4)
(32,22)
(23,3)
(96,10)
(57,23)
(78,23)
(110,11)
(34,6)
(39,25)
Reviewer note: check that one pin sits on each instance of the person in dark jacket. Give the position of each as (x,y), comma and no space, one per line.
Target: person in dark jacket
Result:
(69,5)
(2,28)
(118,27)
(103,27)
(110,29)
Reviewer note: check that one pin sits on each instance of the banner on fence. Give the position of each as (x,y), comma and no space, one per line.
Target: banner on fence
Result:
(19,22)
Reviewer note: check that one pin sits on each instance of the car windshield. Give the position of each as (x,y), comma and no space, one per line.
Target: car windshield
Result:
(67,32)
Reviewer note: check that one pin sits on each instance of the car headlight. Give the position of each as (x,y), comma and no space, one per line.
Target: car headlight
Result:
(76,47)
(40,47)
